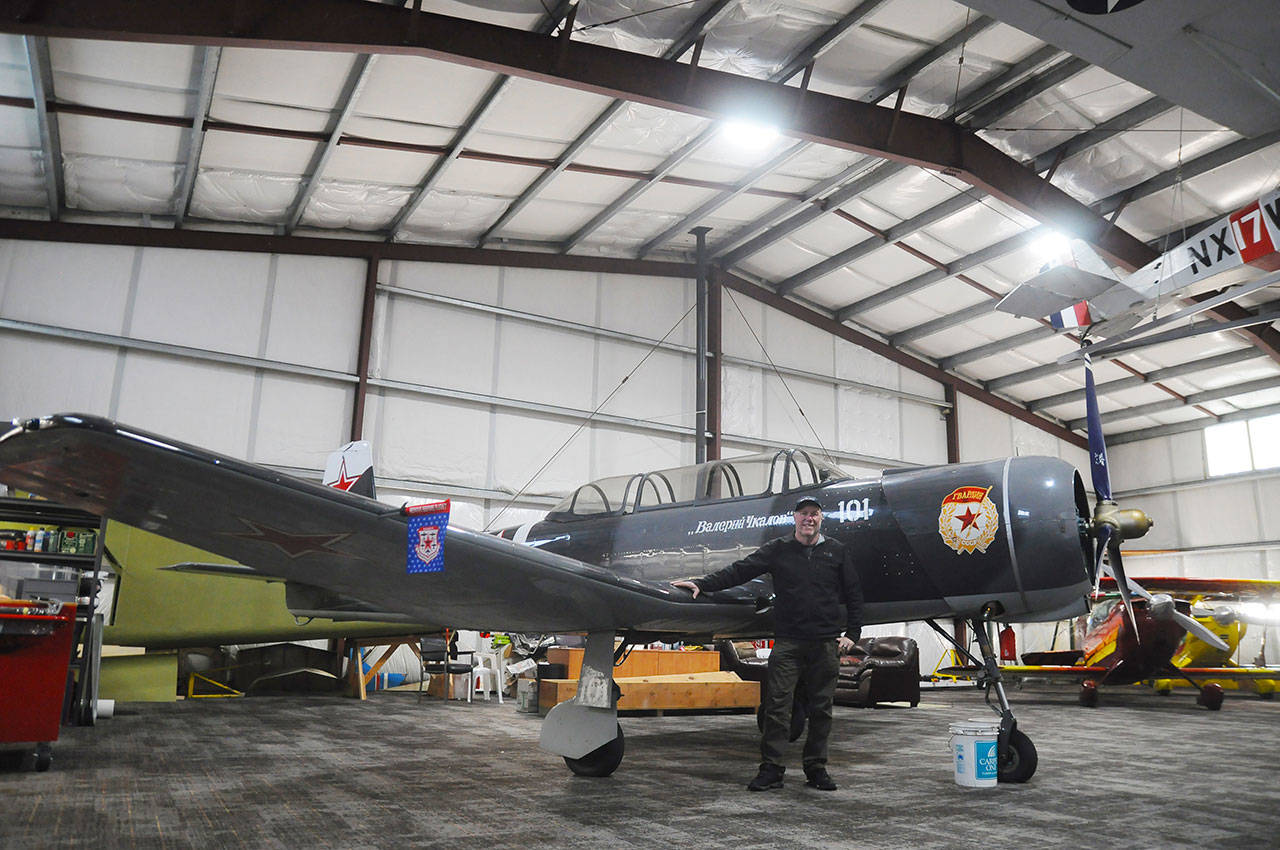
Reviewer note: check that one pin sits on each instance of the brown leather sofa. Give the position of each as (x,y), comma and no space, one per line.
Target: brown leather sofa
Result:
(880,669)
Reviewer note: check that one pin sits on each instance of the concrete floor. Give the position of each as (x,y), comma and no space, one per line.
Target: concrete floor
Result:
(331,772)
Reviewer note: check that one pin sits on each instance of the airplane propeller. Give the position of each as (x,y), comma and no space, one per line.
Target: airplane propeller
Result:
(1112,525)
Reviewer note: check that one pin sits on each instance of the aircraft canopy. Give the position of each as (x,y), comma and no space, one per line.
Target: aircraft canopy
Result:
(749,475)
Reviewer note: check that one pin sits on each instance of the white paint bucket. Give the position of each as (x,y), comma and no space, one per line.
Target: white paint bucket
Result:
(974,752)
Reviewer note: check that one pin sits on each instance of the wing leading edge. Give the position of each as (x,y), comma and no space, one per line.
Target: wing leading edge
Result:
(282,527)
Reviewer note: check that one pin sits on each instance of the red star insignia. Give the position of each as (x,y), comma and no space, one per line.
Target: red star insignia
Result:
(292,545)
(343,482)
(968,519)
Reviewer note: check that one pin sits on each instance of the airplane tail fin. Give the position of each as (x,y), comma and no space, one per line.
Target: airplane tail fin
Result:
(350,468)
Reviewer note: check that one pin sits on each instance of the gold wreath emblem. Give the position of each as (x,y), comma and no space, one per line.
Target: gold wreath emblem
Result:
(968,520)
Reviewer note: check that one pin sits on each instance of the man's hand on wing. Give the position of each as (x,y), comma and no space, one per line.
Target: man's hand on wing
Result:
(688,585)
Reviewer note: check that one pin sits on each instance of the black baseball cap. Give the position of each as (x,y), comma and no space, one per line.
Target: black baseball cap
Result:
(807,500)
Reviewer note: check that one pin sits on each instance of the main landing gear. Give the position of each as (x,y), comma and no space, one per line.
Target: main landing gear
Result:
(585,729)
(1017,755)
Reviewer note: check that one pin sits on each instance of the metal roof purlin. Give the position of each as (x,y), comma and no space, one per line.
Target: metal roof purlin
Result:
(351,89)
(733,253)
(50,141)
(705,21)
(368,27)
(1216,362)
(467,130)
(208,73)
(896,83)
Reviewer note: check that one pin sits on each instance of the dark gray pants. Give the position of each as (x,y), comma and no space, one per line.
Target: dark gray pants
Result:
(818,663)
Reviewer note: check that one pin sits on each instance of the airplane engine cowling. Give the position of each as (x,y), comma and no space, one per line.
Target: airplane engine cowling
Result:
(1011,532)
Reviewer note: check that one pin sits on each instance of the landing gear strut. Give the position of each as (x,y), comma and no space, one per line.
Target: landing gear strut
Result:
(1016,753)
(585,730)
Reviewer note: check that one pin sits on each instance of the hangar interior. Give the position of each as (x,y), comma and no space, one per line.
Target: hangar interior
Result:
(463,231)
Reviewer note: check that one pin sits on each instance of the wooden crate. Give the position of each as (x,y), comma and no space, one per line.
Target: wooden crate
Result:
(683,691)
(643,662)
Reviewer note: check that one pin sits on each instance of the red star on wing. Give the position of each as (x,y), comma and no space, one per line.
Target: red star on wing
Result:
(343,482)
(292,545)
(968,519)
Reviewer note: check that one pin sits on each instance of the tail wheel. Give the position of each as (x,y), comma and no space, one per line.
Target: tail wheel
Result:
(1018,759)
(1089,694)
(602,761)
(1211,696)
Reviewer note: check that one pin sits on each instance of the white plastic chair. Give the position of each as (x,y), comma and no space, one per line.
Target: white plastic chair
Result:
(487,671)
(492,667)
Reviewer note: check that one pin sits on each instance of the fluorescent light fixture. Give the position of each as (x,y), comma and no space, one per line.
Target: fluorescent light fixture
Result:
(749,135)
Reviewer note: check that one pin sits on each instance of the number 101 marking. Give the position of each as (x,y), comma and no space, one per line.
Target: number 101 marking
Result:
(854,509)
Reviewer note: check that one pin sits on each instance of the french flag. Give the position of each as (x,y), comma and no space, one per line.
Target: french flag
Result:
(1075,316)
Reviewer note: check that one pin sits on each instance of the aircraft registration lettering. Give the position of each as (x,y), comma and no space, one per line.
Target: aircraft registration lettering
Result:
(1251,235)
(968,520)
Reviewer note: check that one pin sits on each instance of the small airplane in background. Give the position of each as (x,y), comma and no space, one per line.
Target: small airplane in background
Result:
(1082,291)
(1152,639)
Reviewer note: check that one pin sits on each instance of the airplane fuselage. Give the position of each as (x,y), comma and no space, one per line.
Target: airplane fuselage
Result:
(929,542)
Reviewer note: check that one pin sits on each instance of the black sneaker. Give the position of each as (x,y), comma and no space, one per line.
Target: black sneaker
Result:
(769,777)
(820,779)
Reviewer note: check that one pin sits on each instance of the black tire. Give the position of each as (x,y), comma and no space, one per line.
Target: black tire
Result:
(44,757)
(1211,696)
(602,761)
(1089,694)
(1018,759)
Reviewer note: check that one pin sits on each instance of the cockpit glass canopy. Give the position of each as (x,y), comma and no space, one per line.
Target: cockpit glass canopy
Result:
(750,475)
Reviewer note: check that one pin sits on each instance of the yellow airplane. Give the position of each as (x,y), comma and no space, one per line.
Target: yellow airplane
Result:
(1227,607)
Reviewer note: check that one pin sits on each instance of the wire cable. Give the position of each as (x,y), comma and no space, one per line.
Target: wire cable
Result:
(587,421)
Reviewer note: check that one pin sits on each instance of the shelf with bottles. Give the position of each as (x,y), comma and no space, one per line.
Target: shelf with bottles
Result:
(39,531)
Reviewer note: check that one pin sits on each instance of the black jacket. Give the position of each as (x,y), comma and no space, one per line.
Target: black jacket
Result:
(809,585)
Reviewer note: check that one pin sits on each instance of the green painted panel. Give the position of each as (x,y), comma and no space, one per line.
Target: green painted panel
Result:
(139,678)
(156,607)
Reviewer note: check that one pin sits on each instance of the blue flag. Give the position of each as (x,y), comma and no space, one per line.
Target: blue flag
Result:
(427,526)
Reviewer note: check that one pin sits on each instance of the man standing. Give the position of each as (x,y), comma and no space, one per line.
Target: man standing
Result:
(812,576)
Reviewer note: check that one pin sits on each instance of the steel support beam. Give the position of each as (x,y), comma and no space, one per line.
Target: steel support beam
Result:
(208,74)
(705,21)
(365,346)
(1216,394)
(46,125)
(362,27)
(843,331)
(1220,361)
(356,79)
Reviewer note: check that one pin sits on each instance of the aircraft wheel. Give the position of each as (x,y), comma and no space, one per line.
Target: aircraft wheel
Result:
(1018,760)
(1267,694)
(44,757)
(602,761)
(1089,694)
(1211,696)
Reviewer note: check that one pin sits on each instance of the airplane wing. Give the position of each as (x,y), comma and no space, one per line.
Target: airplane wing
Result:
(1238,588)
(1054,291)
(1059,671)
(329,542)
(1236,673)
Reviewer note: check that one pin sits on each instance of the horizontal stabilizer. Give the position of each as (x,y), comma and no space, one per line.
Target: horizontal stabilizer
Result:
(1053,291)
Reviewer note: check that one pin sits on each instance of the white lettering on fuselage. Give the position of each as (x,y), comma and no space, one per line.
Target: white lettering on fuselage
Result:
(853,510)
